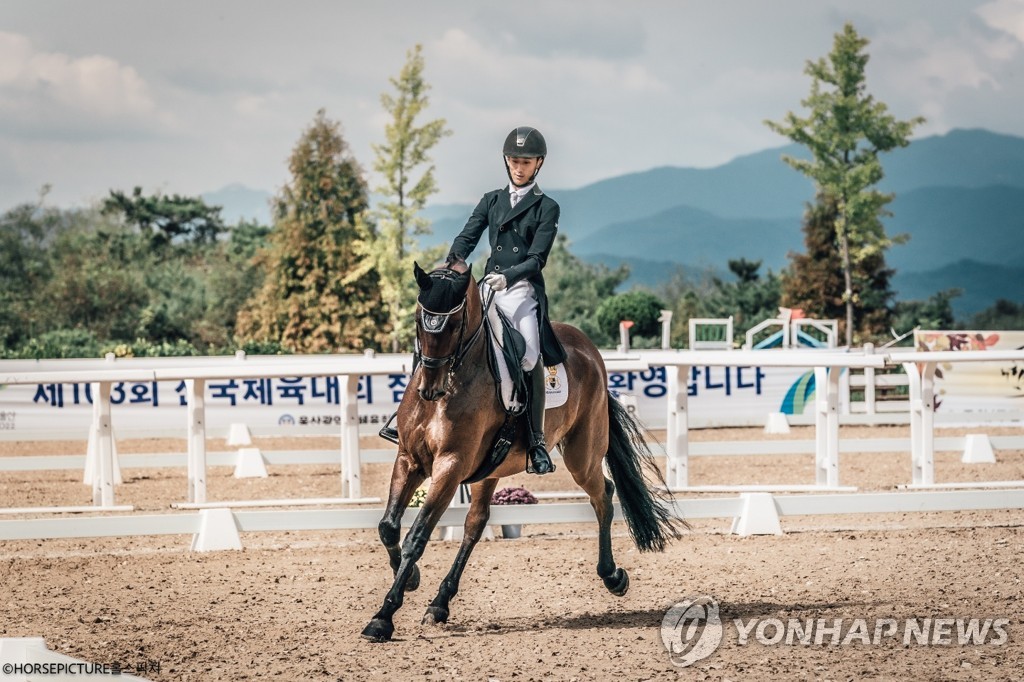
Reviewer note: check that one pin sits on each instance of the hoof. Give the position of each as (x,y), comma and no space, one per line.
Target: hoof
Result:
(414,580)
(435,615)
(618,582)
(378,630)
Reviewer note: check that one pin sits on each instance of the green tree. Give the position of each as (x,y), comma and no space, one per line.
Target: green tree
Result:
(749,300)
(934,313)
(25,231)
(814,280)
(99,282)
(688,294)
(397,215)
(1002,315)
(231,274)
(166,219)
(320,292)
(640,307)
(576,289)
(845,131)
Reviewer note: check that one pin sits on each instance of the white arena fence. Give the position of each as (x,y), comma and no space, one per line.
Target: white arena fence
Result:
(828,365)
(752,514)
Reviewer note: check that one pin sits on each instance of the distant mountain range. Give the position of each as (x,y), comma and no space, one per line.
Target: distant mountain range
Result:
(959,196)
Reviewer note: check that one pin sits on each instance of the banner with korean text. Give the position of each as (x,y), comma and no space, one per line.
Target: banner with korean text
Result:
(717,396)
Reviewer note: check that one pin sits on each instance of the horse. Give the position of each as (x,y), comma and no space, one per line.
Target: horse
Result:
(448,420)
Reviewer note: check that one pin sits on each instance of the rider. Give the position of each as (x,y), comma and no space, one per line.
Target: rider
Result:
(521,222)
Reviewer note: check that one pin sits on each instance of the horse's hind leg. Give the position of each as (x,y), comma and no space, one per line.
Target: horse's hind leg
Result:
(476,521)
(591,478)
(615,579)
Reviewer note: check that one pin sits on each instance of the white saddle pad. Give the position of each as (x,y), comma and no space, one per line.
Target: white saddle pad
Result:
(556,382)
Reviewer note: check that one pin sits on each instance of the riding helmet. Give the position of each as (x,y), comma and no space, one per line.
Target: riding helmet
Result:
(525,143)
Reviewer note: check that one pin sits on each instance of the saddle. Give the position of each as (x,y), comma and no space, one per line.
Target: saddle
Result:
(505,357)
(506,348)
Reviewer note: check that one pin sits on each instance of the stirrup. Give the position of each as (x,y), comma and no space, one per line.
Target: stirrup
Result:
(387,432)
(538,461)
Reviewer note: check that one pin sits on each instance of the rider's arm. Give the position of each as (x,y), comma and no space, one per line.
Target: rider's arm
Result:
(471,233)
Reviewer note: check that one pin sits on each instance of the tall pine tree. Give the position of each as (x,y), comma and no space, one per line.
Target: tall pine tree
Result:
(845,132)
(404,195)
(814,281)
(321,293)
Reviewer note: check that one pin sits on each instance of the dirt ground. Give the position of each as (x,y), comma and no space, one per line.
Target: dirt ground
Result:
(292,605)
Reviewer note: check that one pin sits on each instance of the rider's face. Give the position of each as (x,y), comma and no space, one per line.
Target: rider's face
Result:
(522,169)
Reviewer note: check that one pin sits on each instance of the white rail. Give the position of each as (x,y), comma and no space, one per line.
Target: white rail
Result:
(828,365)
(752,514)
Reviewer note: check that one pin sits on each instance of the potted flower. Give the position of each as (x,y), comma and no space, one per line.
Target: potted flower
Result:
(513,496)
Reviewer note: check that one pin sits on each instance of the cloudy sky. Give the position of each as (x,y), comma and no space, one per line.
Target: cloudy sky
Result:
(192,95)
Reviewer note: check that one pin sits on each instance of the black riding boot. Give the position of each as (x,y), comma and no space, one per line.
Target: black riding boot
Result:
(538,460)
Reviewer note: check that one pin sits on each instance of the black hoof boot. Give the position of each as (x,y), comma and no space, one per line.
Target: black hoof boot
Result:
(379,630)
(435,615)
(539,460)
(618,582)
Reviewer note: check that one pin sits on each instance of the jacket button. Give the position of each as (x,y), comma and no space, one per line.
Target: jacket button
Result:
(495,268)
(502,228)
(499,247)
(515,249)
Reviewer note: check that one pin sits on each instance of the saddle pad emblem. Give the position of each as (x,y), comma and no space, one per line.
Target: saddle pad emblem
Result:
(556,385)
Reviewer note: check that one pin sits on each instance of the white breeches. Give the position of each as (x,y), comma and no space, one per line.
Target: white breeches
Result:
(519,304)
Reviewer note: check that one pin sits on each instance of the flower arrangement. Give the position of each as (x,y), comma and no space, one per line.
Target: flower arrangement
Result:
(513,496)
(418,497)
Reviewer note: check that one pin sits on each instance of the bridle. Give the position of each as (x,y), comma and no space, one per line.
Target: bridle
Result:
(435,323)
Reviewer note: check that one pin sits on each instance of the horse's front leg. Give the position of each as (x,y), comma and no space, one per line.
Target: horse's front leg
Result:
(476,521)
(444,483)
(406,477)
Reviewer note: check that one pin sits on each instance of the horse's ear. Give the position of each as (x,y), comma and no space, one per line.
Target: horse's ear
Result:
(422,278)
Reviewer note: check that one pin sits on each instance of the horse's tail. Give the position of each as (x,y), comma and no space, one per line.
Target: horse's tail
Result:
(650,514)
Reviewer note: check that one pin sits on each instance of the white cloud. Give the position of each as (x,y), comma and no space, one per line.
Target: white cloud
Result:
(482,65)
(77,92)
(1004,15)
(919,69)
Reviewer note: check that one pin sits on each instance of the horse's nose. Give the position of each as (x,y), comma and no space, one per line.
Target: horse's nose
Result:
(431,394)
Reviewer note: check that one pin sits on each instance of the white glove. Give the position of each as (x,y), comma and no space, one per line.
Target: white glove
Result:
(496,281)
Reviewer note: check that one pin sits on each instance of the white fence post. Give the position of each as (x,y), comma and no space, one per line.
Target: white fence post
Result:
(103,465)
(666,329)
(195,391)
(677,435)
(869,382)
(350,483)
(624,326)
(826,390)
(922,421)
(97,431)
